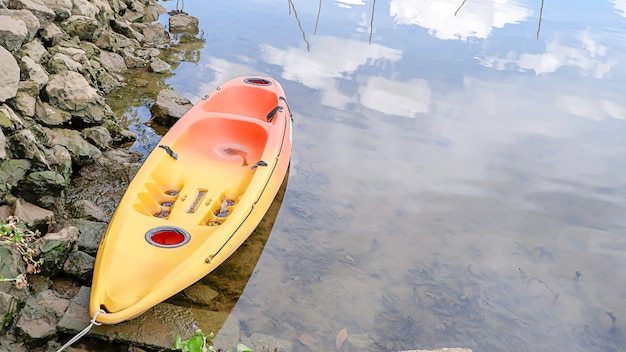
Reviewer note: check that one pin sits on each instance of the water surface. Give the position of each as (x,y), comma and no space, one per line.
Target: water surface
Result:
(457,175)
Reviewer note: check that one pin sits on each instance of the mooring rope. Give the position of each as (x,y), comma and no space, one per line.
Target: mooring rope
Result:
(84,332)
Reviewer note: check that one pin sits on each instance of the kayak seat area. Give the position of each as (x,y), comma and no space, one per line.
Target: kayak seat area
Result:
(243,100)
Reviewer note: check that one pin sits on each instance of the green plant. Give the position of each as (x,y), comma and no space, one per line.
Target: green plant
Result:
(202,343)
(15,233)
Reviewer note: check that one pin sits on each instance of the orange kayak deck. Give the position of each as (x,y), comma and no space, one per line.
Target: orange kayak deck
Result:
(197,197)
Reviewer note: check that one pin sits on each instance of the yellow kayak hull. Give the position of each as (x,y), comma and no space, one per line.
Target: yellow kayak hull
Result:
(197,197)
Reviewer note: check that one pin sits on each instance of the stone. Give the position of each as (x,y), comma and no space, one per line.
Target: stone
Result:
(25,145)
(131,60)
(85,8)
(83,27)
(61,8)
(106,81)
(11,266)
(34,71)
(13,32)
(91,233)
(120,135)
(36,7)
(82,152)
(37,321)
(9,120)
(52,34)
(9,75)
(36,218)
(31,22)
(42,187)
(8,309)
(259,342)
(98,136)
(152,12)
(124,28)
(35,50)
(155,34)
(200,293)
(12,171)
(169,107)
(70,91)
(181,23)
(24,101)
(60,62)
(159,66)
(113,62)
(49,115)
(54,249)
(80,265)
(85,209)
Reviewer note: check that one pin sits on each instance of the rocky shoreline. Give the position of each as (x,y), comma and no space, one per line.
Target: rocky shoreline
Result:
(58,61)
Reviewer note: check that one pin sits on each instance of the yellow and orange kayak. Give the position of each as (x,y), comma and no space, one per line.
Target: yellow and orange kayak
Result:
(196,198)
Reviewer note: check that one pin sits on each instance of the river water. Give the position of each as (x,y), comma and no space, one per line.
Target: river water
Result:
(457,176)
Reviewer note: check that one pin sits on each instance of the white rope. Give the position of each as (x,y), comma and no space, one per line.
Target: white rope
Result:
(84,332)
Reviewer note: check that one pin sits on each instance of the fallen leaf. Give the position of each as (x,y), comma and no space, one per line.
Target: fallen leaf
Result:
(308,341)
(342,335)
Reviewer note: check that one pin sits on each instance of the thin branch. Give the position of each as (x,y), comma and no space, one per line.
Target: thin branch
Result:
(540,18)
(372,21)
(459,9)
(295,13)
(319,10)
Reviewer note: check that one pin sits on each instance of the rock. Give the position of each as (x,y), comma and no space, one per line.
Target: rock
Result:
(131,60)
(200,293)
(3,146)
(106,81)
(9,75)
(70,91)
(124,28)
(34,71)
(25,99)
(181,23)
(42,187)
(8,309)
(12,171)
(155,34)
(9,119)
(11,265)
(169,107)
(91,233)
(83,27)
(85,209)
(98,136)
(119,134)
(158,66)
(61,8)
(35,50)
(54,249)
(82,152)
(31,22)
(147,53)
(152,12)
(113,62)
(52,34)
(80,265)
(25,145)
(37,321)
(61,63)
(259,342)
(49,115)
(36,7)
(36,218)
(112,41)
(13,32)
(84,8)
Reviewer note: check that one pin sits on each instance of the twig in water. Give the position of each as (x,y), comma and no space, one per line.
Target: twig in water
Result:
(291,5)
(459,9)
(372,20)
(319,10)
(540,18)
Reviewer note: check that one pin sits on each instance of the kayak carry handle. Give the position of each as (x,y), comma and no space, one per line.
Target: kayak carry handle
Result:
(272,113)
(169,151)
(258,163)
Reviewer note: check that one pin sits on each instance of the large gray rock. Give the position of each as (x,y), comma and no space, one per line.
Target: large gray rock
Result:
(25,99)
(36,218)
(159,66)
(52,34)
(80,265)
(54,249)
(11,266)
(36,7)
(9,75)
(113,62)
(86,209)
(98,136)
(72,92)
(82,152)
(181,23)
(61,8)
(34,71)
(26,145)
(83,27)
(38,320)
(31,22)
(42,188)
(13,32)
(155,34)
(9,120)
(12,171)
(91,233)
(60,62)
(8,308)
(169,107)
(49,115)
(35,50)
(124,27)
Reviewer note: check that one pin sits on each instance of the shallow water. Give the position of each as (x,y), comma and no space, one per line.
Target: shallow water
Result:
(455,182)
